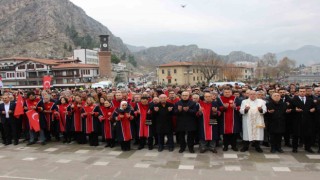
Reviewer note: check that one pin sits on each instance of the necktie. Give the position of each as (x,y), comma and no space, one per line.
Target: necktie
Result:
(302,99)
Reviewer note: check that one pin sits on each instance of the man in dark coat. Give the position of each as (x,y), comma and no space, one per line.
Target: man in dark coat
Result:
(7,119)
(162,114)
(185,111)
(289,116)
(276,116)
(304,121)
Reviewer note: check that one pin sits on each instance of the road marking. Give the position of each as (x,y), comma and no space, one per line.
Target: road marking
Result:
(186,167)
(139,165)
(281,169)
(29,159)
(100,163)
(230,156)
(64,161)
(232,168)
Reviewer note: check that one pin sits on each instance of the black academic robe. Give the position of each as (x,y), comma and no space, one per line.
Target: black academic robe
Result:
(277,119)
(303,122)
(186,120)
(163,118)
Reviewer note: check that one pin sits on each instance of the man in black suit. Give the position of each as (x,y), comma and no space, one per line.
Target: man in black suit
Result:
(7,119)
(288,117)
(304,120)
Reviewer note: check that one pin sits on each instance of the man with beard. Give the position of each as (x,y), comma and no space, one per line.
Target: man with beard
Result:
(185,111)
(253,125)
(304,121)
(276,116)
(162,114)
(208,123)
(230,121)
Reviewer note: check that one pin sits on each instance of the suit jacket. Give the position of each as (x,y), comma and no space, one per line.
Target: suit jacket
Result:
(3,116)
(304,122)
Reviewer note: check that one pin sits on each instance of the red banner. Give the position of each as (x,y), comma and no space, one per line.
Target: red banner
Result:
(19,106)
(46,82)
(33,117)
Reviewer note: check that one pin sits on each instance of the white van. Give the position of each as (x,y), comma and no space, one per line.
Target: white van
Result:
(102,84)
(225,83)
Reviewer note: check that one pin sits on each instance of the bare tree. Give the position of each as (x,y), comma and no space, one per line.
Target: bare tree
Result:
(231,72)
(285,65)
(209,66)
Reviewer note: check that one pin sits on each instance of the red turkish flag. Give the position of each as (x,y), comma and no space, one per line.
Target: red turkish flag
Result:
(19,106)
(33,117)
(46,82)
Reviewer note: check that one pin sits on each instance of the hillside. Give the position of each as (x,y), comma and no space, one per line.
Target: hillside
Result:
(47,28)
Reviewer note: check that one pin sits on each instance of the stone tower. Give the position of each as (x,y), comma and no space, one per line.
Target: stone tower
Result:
(105,66)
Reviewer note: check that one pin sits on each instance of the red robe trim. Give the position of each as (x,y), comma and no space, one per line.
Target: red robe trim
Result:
(77,118)
(49,116)
(206,112)
(107,114)
(228,114)
(89,118)
(62,108)
(143,128)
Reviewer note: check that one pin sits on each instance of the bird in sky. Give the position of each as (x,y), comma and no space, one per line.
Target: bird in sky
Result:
(183,5)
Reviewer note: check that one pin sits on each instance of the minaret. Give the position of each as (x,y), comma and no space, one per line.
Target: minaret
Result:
(105,66)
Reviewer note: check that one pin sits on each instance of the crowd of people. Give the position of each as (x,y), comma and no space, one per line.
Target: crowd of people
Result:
(168,117)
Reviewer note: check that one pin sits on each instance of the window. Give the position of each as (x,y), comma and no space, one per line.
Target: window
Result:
(194,71)
(245,71)
(175,80)
(30,66)
(197,78)
(174,71)
(22,66)
(169,72)
(10,75)
(197,70)
(169,81)
(194,78)
(85,72)
(162,71)
(39,66)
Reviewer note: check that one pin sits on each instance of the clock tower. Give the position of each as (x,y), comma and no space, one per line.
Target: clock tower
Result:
(105,66)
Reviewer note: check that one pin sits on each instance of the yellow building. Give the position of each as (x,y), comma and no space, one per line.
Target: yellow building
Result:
(188,73)
(180,73)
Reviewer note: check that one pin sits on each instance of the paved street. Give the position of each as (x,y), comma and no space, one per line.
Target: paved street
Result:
(73,161)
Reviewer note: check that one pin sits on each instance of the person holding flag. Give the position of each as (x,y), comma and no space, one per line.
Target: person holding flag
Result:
(34,110)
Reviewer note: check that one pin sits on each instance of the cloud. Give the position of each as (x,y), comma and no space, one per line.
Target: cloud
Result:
(253,26)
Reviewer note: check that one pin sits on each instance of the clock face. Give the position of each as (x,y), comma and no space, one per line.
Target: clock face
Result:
(105,45)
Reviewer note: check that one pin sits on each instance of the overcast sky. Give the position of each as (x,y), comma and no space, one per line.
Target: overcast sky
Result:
(253,26)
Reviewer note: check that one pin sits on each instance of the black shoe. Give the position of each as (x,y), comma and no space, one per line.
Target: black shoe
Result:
(280,150)
(181,150)
(202,150)
(319,151)
(16,143)
(43,143)
(259,150)
(309,150)
(244,149)
(235,149)
(30,143)
(170,149)
(107,145)
(111,145)
(273,151)
(150,147)
(191,151)
(288,145)
(266,144)
(294,150)
(225,148)
(140,147)
(160,149)
(213,150)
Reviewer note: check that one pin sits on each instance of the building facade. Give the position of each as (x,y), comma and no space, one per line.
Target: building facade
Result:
(86,56)
(188,73)
(28,72)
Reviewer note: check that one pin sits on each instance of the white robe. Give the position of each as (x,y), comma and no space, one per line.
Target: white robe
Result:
(253,121)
